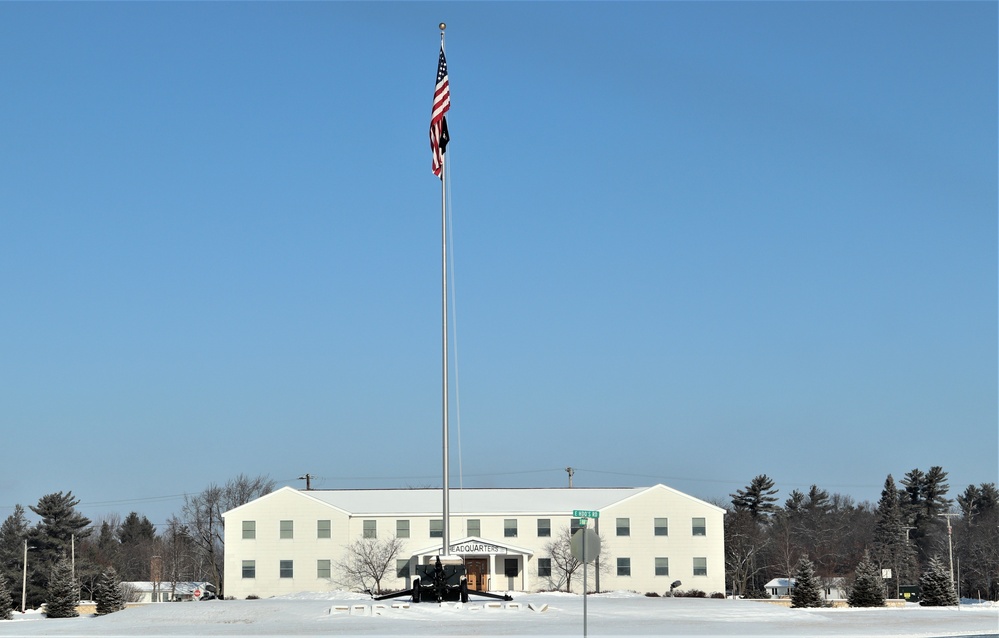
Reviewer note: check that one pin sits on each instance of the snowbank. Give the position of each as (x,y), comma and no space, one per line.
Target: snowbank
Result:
(548,614)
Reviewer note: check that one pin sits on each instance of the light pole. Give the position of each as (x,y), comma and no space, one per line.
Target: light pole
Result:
(24,577)
(898,577)
(950,547)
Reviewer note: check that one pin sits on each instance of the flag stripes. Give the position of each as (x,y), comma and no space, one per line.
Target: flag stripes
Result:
(438,123)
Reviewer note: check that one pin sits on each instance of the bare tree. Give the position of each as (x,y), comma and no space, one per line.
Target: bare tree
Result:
(130,594)
(745,542)
(203,518)
(176,548)
(564,564)
(367,562)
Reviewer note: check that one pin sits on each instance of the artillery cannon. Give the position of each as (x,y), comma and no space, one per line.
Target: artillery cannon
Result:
(442,582)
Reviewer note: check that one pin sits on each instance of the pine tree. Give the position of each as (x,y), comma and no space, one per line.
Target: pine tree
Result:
(108,594)
(868,589)
(63,593)
(758,498)
(976,540)
(923,500)
(60,520)
(60,526)
(936,588)
(891,548)
(13,533)
(6,604)
(806,592)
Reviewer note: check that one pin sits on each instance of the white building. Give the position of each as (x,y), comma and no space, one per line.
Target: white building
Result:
(145,591)
(832,588)
(291,540)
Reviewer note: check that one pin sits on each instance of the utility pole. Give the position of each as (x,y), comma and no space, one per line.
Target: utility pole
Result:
(898,588)
(308,481)
(72,541)
(571,472)
(950,548)
(24,578)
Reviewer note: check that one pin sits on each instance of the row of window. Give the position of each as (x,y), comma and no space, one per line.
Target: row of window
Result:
(286,568)
(286,529)
(661,566)
(622,527)
(660,526)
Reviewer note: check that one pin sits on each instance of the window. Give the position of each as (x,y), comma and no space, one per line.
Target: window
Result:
(249,569)
(323,568)
(370,529)
(624,567)
(402,528)
(437,528)
(510,527)
(700,567)
(662,567)
(544,568)
(624,527)
(323,529)
(474,527)
(249,529)
(287,529)
(287,569)
(661,526)
(510,567)
(574,525)
(698,528)
(402,567)
(544,527)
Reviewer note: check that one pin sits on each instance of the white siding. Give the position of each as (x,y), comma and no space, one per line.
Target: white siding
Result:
(640,505)
(268,550)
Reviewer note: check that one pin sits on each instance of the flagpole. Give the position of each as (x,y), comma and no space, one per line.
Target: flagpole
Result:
(446,540)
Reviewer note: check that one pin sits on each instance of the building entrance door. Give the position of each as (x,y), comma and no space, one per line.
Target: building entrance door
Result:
(477,571)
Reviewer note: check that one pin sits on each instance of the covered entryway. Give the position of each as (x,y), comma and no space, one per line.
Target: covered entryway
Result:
(490,566)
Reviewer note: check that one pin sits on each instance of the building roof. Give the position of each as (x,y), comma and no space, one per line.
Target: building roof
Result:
(780,582)
(473,501)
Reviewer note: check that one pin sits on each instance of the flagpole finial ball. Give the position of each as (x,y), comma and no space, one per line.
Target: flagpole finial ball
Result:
(442,26)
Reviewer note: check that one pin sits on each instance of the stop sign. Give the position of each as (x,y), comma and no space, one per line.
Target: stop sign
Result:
(197,593)
(585,545)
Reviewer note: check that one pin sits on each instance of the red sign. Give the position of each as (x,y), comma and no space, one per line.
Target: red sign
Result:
(197,593)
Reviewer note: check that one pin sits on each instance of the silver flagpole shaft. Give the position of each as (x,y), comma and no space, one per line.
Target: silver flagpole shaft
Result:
(447,485)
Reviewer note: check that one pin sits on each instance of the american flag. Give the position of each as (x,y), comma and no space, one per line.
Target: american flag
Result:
(438,123)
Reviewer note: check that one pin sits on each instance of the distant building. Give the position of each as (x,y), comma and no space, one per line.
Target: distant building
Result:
(145,591)
(833,589)
(779,587)
(291,541)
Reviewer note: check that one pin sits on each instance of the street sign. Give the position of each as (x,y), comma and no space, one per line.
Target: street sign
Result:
(586,513)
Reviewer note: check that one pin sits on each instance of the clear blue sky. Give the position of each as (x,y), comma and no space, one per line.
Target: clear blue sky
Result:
(694,242)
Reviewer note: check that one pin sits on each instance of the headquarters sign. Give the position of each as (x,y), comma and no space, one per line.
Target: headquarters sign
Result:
(476,547)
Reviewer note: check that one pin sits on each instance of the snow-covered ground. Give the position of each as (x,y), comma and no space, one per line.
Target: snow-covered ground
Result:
(611,614)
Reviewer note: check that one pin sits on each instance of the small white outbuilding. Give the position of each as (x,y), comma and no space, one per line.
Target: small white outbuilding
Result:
(832,589)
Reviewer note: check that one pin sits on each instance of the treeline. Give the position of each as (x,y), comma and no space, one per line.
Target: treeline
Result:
(904,532)
(188,548)
(913,524)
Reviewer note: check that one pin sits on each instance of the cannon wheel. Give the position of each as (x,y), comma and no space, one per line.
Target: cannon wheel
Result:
(416,590)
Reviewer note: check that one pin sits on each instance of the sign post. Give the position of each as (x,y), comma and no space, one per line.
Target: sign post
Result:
(585,536)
